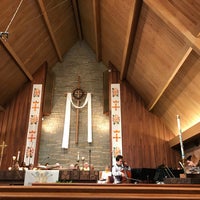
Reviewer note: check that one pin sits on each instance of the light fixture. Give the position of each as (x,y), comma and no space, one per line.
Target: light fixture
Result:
(4,35)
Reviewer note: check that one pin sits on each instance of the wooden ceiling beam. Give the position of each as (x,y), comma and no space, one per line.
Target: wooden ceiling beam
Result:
(48,24)
(155,100)
(77,19)
(131,30)
(97,29)
(17,59)
(164,10)
(186,135)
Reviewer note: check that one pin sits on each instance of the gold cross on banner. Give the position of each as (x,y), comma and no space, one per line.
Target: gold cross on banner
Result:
(3,145)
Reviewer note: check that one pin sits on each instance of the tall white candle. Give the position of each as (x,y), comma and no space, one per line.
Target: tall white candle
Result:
(78,157)
(18,155)
(179,123)
(180,137)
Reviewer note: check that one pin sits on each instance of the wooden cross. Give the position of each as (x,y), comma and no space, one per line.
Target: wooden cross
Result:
(3,145)
(78,95)
(77,113)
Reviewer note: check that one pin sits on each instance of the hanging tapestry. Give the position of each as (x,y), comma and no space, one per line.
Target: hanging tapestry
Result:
(69,102)
(116,131)
(33,124)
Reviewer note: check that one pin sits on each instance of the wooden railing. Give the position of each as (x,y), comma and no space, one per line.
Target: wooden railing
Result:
(85,191)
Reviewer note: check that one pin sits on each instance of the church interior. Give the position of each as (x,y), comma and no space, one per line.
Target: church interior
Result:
(83,81)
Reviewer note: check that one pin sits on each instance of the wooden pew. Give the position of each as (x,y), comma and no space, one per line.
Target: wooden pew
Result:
(101,191)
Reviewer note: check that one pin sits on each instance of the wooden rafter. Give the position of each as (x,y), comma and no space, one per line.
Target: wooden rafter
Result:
(186,135)
(157,97)
(46,19)
(131,30)
(193,43)
(77,19)
(97,31)
(17,59)
(166,15)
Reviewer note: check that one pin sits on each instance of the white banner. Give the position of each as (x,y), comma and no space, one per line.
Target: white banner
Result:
(33,124)
(69,102)
(116,129)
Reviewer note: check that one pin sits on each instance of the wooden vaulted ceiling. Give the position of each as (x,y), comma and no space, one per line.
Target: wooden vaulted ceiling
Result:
(154,44)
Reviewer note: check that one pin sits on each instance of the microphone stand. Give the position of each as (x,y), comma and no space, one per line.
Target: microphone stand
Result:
(89,162)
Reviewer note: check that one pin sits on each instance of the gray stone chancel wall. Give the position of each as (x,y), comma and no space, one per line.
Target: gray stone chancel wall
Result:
(79,61)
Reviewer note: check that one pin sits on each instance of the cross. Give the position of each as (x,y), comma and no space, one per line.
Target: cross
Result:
(78,95)
(3,145)
(116,137)
(77,113)
(115,106)
(31,138)
(35,105)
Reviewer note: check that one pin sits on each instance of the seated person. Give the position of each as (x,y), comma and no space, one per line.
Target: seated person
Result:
(71,166)
(117,170)
(194,158)
(86,167)
(105,175)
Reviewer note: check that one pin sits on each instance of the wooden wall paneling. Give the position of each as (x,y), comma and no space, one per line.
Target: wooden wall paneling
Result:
(40,77)
(145,138)
(8,134)
(15,119)
(4,125)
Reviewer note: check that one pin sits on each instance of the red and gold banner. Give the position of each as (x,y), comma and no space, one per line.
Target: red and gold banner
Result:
(33,124)
(116,129)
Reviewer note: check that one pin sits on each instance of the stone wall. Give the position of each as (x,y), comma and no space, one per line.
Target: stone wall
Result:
(79,61)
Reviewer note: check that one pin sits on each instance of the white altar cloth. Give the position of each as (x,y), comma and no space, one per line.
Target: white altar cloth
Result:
(41,176)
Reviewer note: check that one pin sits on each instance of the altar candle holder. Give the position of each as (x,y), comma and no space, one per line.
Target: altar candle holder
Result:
(83,159)
(13,162)
(78,159)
